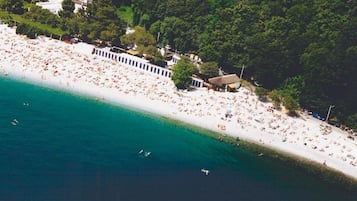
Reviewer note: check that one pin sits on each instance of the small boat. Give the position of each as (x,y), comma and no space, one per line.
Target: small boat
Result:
(261,154)
(205,171)
(141,151)
(146,154)
(14,122)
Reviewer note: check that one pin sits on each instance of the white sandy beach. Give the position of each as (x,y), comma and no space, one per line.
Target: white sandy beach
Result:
(73,68)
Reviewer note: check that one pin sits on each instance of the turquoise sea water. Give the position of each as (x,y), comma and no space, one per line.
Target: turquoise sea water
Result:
(63,147)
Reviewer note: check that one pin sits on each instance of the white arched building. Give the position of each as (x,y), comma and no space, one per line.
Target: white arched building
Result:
(128,60)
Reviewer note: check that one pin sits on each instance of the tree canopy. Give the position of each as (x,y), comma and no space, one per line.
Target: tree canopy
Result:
(12,6)
(67,9)
(139,37)
(100,21)
(182,73)
(209,69)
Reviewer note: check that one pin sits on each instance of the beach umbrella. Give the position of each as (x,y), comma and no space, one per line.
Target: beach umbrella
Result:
(229,111)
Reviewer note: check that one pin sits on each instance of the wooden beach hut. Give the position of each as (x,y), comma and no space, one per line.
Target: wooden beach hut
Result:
(225,82)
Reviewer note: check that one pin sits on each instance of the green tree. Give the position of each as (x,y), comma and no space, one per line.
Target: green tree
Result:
(268,53)
(44,16)
(100,21)
(261,93)
(276,98)
(28,30)
(209,53)
(210,69)
(290,104)
(151,53)
(67,9)
(352,121)
(122,2)
(141,38)
(182,73)
(288,94)
(175,32)
(72,25)
(13,6)
(109,33)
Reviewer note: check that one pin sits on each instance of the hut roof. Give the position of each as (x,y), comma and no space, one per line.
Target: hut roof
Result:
(223,80)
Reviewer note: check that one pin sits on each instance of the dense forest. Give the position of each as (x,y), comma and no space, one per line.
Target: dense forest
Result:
(303,52)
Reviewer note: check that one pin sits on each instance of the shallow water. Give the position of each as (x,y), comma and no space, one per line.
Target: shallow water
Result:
(64,147)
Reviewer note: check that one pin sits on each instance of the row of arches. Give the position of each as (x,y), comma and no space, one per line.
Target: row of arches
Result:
(133,61)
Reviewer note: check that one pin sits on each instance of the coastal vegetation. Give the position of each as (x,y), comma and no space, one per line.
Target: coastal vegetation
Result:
(182,72)
(68,7)
(99,21)
(126,13)
(143,43)
(302,52)
(12,6)
(209,69)
(139,39)
(42,29)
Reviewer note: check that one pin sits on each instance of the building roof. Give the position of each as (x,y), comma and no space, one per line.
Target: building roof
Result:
(133,52)
(223,80)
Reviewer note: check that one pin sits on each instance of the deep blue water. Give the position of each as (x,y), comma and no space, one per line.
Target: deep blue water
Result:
(63,147)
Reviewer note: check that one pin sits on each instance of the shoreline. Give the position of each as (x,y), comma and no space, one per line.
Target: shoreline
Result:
(72,68)
(292,160)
